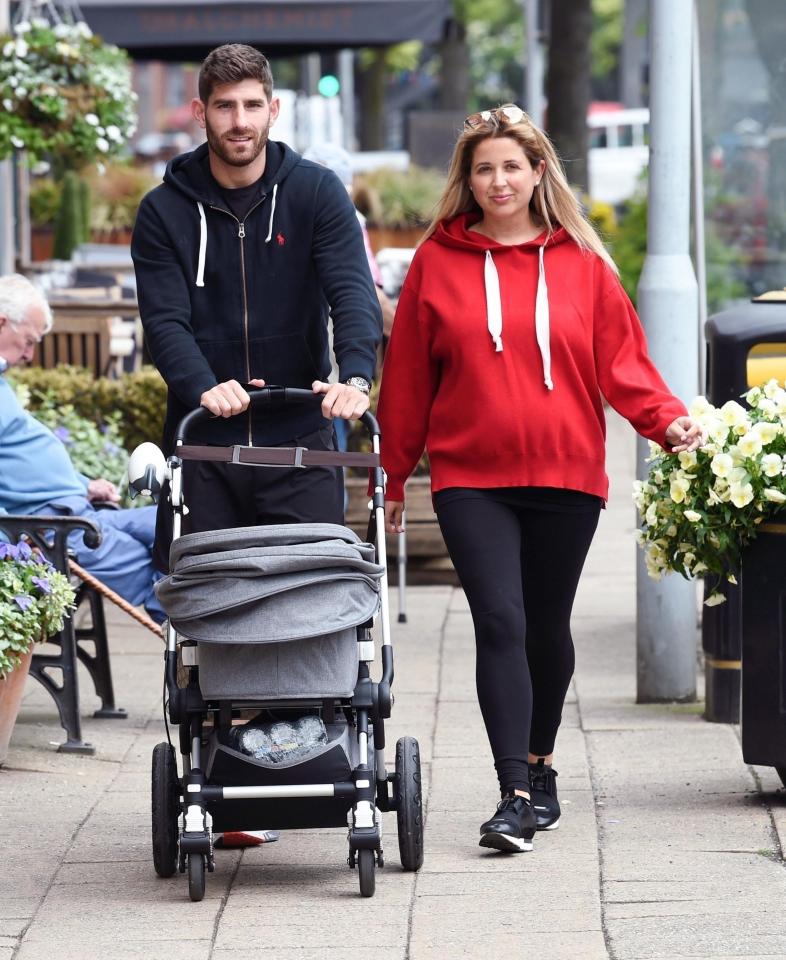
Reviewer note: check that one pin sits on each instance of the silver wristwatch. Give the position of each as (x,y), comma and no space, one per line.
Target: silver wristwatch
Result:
(359,383)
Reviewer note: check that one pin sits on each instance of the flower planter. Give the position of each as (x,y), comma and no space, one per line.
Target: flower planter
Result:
(12,689)
(424,539)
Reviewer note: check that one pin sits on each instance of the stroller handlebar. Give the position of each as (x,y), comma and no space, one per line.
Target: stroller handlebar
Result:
(285,395)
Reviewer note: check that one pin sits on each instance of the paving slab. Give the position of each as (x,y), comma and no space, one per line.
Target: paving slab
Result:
(669,846)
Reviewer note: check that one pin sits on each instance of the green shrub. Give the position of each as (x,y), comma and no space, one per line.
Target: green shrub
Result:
(397,198)
(137,401)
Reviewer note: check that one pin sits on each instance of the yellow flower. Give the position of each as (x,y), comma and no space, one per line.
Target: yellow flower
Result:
(722,463)
(651,515)
(692,515)
(774,496)
(771,464)
(687,459)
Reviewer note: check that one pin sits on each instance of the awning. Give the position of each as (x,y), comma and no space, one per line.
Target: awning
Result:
(184,30)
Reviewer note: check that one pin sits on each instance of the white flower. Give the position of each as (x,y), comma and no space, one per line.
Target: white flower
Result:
(21,48)
(22,27)
(113,133)
(700,568)
(722,464)
(767,432)
(732,414)
(715,600)
(771,389)
(692,515)
(19,144)
(774,496)
(700,407)
(102,144)
(740,494)
(750,444)
(92,119)
(687,459)
(768,408)
(678,488)
(771,464)
(651,514)
(753,396)
(8,49)
(8,105)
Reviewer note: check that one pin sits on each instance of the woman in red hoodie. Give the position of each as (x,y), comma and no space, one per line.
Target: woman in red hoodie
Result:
(511,327)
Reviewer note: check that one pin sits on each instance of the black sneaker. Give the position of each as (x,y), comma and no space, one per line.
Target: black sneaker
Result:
(543,789)
(512,827)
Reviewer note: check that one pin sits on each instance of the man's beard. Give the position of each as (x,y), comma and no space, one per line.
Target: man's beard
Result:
(221,149)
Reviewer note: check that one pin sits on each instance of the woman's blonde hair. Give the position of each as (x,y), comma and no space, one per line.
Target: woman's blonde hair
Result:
(553,203)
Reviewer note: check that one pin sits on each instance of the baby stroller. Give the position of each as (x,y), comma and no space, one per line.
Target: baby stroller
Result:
(276,622)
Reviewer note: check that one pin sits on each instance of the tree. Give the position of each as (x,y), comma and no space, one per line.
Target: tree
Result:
(568,84)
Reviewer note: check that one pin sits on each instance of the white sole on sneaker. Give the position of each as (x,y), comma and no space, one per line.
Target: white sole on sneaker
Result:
(551,826)
(505,843)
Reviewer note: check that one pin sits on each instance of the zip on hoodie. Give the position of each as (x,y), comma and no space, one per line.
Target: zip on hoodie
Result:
(241,235)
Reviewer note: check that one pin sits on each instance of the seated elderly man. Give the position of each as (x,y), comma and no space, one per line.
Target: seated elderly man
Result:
(37,476)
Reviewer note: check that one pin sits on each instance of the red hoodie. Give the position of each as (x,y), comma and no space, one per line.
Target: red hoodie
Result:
(516,400)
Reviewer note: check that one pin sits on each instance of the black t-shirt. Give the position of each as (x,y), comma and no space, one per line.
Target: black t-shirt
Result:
(241,199)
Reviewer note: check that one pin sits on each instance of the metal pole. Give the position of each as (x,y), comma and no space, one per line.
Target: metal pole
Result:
(7,247)
(666,622)
(533,98)
(700,252)
(346,80)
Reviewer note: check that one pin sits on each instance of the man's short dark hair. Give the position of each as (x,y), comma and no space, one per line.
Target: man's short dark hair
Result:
(233,63)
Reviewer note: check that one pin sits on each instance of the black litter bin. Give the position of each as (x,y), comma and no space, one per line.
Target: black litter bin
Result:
(731,336)
(763,589)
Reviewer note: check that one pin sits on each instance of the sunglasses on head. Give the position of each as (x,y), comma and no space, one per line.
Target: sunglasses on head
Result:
(501,115)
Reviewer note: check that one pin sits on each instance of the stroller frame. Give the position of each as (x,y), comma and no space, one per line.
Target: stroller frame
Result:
(181,805)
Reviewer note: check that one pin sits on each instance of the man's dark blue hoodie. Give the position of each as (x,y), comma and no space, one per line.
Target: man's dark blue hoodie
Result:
(224,300)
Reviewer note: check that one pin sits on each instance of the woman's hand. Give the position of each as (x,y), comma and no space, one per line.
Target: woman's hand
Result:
(394,516)
(685,434)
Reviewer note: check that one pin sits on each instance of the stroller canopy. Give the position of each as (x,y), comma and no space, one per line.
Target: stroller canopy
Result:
(268,584)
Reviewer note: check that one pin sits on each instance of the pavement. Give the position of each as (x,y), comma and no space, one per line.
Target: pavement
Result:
(669,846)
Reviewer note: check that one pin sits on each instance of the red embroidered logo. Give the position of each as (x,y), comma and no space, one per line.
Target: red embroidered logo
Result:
(280,239)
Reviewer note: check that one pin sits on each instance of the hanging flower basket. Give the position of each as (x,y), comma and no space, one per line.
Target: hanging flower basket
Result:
(64,93)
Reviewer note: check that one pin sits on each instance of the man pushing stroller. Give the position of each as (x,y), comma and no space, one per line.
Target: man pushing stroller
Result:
(240,255)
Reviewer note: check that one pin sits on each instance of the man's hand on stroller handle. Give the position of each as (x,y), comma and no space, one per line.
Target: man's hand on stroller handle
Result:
(394,516)
(227,399)
(341,400)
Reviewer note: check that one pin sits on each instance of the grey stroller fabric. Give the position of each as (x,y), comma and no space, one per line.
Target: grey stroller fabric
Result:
(269,584)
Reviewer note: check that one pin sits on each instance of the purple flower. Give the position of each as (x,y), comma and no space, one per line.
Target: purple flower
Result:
(7,551)
(42,584)
(23,551)
(110,447)
(63,434)
(23,601)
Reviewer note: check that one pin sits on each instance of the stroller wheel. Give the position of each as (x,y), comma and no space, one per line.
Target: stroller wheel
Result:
(196,876)
(366,873)
(409,803)
(165,809)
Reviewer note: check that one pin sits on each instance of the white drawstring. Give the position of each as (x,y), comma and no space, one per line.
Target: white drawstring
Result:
(542,324)
(272,214)
(542,320)
(200,277)
(493,301)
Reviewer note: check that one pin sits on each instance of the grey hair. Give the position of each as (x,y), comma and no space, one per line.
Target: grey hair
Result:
(17,295)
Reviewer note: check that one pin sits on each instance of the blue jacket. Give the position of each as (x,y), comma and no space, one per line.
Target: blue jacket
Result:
(222,300)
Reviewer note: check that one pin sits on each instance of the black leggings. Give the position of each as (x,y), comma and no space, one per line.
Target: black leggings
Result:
(519,564)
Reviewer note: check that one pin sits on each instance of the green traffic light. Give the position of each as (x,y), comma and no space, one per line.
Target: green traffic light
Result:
(328,85)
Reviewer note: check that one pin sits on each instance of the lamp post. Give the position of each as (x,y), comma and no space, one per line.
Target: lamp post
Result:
(666,622)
